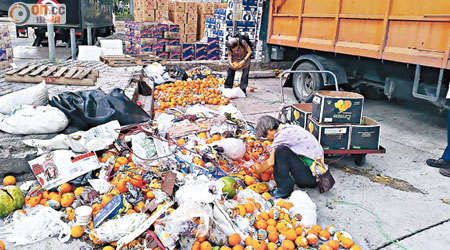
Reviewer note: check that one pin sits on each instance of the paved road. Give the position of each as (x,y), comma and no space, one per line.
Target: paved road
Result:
(394,196)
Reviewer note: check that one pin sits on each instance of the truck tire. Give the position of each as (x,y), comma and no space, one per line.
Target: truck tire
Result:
(306,83)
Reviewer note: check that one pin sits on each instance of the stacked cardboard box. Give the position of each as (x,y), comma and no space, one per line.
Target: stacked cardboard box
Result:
(145,10)
(336,119)
(146,38)
(189,18)
(6,51)
(248,18)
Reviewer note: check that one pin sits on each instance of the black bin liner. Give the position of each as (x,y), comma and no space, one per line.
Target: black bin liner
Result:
(90,108)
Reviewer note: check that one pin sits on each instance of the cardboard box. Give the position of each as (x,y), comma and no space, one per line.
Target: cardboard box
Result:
(300,113)
(175,56)
(201,51)
(191,19)
(180,6)
(190,38)
(215,55)
(157,33)
(201,24)
(171,48)
(163,55)
(162,15)
(365,135)
(3,55)
(190,8)
(171,35)
(148,16)
(181,30)
(162,27)
(157,48)
(205,8)
(163,41)
(163,6)
(177,17)
(330,136)
(337,107)
(171,6)
(220,6)
(190,28)
(188,52)
(174,28)
(174,42)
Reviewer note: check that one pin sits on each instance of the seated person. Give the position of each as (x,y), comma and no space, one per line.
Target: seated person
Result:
(294,149)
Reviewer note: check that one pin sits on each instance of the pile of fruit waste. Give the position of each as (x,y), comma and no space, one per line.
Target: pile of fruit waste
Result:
(179,192)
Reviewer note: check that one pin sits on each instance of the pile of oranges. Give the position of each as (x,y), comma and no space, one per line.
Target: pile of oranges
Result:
(275,229)
(183,93)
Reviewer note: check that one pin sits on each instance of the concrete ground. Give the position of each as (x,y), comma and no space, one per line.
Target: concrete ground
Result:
(394,201)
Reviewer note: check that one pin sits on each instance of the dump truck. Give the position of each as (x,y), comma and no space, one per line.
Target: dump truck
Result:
(393,48)
(96,15)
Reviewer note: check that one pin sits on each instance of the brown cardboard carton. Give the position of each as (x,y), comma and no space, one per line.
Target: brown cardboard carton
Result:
(190,7)
(190,28)
(180,6)
(191,38)
(177,17)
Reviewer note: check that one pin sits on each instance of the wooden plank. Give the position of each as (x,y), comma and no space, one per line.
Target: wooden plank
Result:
(39,70)
(28,70)
(71,72)
(83,73)
(49,71)
(60,80)
(20,68)
(60,72)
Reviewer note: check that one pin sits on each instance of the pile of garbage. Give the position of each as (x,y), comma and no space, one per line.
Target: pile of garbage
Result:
(183,180)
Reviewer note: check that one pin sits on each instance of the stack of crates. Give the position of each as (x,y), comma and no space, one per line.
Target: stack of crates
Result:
(336,119)
(6,51)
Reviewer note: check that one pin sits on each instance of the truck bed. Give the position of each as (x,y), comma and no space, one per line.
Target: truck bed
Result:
(407,31)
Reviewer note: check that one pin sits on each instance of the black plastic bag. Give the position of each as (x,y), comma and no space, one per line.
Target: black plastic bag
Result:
(90,108)
(177,73)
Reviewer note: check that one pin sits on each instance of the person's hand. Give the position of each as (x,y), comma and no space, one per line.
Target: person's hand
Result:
(258,171)
(241,64)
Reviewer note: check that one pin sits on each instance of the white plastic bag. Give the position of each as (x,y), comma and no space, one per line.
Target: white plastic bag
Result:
(233,93)
(27,119)
(37,224)
(304,206)
(94,139)
(233,148)
(36,95)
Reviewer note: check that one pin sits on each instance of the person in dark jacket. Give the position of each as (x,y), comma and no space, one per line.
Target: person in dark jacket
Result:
(239,54)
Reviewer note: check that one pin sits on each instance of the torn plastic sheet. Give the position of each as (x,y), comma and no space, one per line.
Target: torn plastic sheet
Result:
(100,185)
(39,223)
(114,230)
(223,226)
(60,166)
(143,226)
(201,111)
(143,148)
(97,138)
(164,122)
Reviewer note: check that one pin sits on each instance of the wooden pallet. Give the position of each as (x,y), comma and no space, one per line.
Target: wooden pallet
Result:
(52,74)
(127,60)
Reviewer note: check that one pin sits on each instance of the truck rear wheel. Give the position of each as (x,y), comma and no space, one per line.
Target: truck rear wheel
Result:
(306,83)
